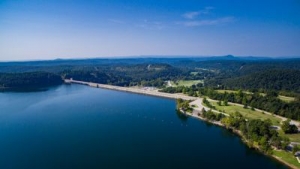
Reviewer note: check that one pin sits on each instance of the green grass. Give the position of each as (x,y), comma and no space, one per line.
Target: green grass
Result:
(186,82)
(247,113)
(287,157)
(228,91)
(286,99)
(292,137)
(231,91)
(194,73)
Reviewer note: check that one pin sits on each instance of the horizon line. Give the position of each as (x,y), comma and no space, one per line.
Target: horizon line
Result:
(152,56)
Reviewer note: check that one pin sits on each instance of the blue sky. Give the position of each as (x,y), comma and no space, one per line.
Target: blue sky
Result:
(39,29)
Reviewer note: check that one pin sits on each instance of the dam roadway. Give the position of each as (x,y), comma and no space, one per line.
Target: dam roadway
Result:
(144,91)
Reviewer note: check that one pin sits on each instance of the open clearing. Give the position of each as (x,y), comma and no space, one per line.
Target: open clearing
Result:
(187,83)
(286,99)
(231,91)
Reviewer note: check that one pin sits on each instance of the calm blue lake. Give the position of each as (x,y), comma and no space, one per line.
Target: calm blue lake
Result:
(75,126)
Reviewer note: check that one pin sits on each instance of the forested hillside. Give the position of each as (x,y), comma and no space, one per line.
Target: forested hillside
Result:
(28,80)
(283,80)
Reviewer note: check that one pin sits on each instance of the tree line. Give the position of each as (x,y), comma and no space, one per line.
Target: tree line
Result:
(29,80)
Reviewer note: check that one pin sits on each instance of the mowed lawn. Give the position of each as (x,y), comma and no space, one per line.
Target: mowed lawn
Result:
(287,157)
(228,91)
(286,99)
(247,113)
(186,83)
(232,91)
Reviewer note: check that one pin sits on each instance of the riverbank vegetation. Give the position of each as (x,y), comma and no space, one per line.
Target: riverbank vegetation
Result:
(183,105)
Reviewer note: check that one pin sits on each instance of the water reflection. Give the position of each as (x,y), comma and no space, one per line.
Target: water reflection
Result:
(183,117)
(29,89)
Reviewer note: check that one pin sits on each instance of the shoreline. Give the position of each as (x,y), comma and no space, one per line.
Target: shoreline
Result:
(173,96)
(284,162)
(237,132)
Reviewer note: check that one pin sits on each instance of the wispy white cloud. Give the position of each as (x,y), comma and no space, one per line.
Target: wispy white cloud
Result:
(195,14)
(151,25)
(206,22)
(191,15)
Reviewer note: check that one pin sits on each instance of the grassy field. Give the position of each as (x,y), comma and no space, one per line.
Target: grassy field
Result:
(186,82)
(228,91)
(232,91)
(293,137)
(286,99)
(287,157)
(194,73)
(247,113)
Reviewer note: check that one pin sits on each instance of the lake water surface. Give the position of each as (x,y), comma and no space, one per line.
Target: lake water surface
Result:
(75,126)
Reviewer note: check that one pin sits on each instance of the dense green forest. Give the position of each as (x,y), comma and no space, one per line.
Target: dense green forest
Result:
(279,80)
(28,80)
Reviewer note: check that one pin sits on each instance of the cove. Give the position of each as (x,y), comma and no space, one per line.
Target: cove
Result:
(75,126)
